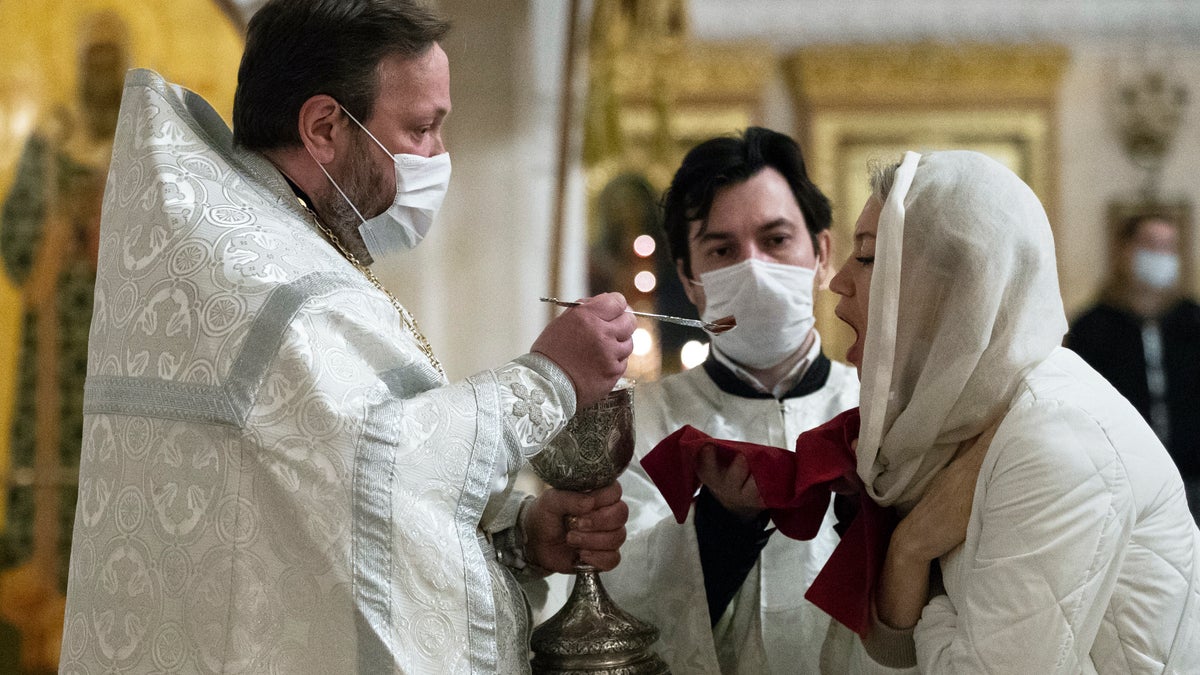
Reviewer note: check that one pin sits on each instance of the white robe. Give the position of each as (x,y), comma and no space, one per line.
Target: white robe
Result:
(768,627)
(274,478)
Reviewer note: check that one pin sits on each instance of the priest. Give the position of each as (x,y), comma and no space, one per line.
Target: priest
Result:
(276,474)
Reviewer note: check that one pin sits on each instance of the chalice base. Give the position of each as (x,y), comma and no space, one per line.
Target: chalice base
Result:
(590,635)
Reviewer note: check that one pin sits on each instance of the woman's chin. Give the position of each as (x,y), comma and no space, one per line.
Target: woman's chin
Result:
(854,354)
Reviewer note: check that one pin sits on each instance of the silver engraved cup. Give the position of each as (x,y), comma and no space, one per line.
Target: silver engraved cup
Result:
(590,634)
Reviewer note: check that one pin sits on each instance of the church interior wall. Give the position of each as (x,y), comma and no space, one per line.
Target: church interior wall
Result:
(62,64)
(493,252)
(474,283)
(1093,169)
(1105,40)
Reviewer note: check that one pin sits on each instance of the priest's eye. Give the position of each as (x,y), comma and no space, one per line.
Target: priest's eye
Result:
(865,260)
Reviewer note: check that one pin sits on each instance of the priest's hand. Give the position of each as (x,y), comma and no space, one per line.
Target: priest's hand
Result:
(732,484)
(562,527)
(591,343)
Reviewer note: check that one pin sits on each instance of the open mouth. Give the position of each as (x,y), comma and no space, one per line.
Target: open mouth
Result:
(854,351)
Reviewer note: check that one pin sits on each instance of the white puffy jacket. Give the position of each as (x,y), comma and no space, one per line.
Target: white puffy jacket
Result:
(1081,555)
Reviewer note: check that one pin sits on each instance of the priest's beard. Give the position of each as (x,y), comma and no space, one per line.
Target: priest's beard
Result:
(365,184)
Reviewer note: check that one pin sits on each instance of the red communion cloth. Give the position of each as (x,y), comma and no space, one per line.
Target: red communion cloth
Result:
(795,487)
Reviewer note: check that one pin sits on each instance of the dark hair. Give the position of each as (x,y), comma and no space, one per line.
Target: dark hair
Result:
(1128,228)
(729,160)
(297,49)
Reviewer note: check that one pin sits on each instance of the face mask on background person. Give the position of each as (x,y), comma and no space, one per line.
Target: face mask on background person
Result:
(421,184)
(773,305)
(1156,269)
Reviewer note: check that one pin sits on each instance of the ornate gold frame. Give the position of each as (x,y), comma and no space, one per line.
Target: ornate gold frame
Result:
(858,103)
(667,98)
(195,42)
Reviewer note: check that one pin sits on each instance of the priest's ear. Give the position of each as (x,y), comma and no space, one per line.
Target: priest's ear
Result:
(824,254)
(323,127)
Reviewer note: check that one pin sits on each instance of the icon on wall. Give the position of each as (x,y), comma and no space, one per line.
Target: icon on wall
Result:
(60,94)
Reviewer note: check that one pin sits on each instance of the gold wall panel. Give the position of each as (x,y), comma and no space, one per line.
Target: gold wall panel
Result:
(667,99)
(692,71)
(61,67)
(863,103)
(926,74)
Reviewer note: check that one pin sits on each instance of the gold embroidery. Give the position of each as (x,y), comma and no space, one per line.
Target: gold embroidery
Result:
(409,321)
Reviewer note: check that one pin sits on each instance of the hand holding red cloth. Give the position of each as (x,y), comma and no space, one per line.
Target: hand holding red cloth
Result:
(795,488)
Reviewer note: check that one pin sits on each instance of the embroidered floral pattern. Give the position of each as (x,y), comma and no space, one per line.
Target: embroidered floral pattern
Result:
(529,404)
(534,412)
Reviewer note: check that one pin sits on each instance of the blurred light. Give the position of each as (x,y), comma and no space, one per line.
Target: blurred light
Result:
(644,281)
(643,342)
(644,245)
(693,353)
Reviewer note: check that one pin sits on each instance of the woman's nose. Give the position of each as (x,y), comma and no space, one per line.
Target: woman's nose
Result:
(839,284)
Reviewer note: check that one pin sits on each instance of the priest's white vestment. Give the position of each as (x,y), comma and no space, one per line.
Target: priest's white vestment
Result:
(274,477)
(768,627)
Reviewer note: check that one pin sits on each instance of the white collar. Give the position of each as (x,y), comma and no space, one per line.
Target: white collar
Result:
(787,382)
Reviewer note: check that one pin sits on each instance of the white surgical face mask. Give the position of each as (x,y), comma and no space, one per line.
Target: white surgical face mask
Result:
(1155,268)
(421,184)
(773,306)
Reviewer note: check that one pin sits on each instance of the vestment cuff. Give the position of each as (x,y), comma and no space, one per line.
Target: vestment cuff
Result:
(557,377)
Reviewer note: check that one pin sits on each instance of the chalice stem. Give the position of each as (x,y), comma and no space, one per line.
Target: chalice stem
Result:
(590,635)
(589,589)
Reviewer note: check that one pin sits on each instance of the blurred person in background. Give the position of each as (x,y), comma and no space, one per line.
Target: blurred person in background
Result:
(1143,336)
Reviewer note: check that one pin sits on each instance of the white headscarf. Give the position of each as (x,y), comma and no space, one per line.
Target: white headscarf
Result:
(964,299)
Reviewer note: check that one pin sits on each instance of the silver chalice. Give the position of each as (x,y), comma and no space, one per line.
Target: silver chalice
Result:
(590,635)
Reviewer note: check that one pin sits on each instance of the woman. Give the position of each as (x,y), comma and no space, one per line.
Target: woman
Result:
(1058,523)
